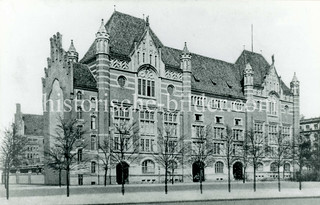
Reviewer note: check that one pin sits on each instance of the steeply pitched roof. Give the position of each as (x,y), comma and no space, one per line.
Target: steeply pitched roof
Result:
(209,75)
(260,68)
(82,77)
(124,30)
(33,124)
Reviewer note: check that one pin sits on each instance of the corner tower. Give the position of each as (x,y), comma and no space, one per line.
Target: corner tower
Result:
(103,81)
(295,90)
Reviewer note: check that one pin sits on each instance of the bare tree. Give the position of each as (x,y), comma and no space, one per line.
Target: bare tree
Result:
(256,151)
(201,150)
(12,151)
(230,152)
(302,154)
(280,152)
(68,138)
(106,149)
(126,147)
(169,150)
(55,160)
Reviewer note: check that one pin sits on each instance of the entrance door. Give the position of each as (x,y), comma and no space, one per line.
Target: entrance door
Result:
(237,170)
(196,168)
(125,170)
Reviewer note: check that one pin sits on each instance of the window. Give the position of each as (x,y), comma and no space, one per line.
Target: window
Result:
(118,144)
(147,144)
(79,112)
(287,167)
(273,133)
(217,148)
(155,61)
(286,134)
(150,59)
(237,149)
(258,130)
(237,121)
(218,104)
(170,123)
(258,104)
(237,106)
(272,106)
(259,167)
(138,57)
(198,100)
(237,134)
(218,132)
(148,167)
(219,120)
(93,167)
(143,57)
(170,89)
(146,87)
(121,115)
(93,142)
(122,81)
(79,95)
(147,124)
(198,117)
(93,122)
(79,155)
(93,102)
(273,167)
(197,131)
(219,167)
(286,109)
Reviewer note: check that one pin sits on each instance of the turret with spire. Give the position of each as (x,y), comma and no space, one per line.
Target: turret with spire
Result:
(72,53)
(103,80)
(186,59)
(294,85)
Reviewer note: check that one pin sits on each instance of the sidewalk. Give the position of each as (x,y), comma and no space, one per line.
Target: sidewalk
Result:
(174,196)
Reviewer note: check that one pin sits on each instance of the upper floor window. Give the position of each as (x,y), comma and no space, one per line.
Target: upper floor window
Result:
(237,121)
(273,133)
(79,95)
(170,123)
(147,124)
(150,59)
(122,81)
(79,112)
(93,122)
(79,155)
(198,117)
(218,132)
(155,61)
(237,134)
(258,130)
(198,131)
(121,115)
(219,119)
(93,167)
(93,142)
(138,57)
(146,83)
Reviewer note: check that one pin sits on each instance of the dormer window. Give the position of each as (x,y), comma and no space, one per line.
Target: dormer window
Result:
(198,117)
(219,120)
(237,121)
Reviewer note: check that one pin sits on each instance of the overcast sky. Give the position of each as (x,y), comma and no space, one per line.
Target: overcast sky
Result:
(289,30)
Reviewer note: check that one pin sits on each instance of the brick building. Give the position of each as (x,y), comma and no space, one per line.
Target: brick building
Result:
(128,63)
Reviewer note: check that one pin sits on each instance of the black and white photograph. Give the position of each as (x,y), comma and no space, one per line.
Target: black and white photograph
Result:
(159,102)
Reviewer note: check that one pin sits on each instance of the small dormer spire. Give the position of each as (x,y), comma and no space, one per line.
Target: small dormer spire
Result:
(272,58)
(294,79)
(102,29)
(72,53)
(147,21)
(102,40)
(185,49)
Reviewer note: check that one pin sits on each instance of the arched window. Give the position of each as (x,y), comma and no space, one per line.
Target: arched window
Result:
(79,95)
(286,109)
(146,83)
(93,122)
(148,167)
(150,59)
(93,167)
(286,167)
(219,167)
(93,142)
(259,167)
(170,89)
(273,167)
(155,61)
(79,112)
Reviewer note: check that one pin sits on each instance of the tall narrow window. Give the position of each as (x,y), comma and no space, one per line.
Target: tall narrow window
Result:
(150,59)
(79,95)
(93,167)
(79,112)
(139,87)
(219,167)
(93,142)
(138,57)
(79,155)
(93,122)
(143,57)
(155,61)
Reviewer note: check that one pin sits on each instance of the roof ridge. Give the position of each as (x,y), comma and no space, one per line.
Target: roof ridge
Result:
(200,55)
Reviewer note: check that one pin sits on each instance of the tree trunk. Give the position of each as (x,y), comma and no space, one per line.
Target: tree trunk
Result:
(229,179)
(59,177)
(105,176)
(7,181)
(68,178)
(244,175)
(5,178)
(172,177)
(279,188)
(110,176)
(201,180)
(166,180)
(254,177)
(300,176)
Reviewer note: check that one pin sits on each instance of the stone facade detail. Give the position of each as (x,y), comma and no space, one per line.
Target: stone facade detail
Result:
(173,75)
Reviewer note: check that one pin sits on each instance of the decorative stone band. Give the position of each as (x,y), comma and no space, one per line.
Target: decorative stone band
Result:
(117,64)
(173,75)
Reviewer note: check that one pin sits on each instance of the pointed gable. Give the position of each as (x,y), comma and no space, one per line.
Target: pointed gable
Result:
(82,77)
(124,30)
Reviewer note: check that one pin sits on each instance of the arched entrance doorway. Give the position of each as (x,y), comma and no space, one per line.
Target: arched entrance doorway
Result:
(196,168)
(125,173)
(237,170)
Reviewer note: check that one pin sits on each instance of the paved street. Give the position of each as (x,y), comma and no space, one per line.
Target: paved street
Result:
(188,193)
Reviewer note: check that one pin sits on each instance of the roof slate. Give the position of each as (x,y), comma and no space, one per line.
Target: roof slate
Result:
(33,124)
(82,77)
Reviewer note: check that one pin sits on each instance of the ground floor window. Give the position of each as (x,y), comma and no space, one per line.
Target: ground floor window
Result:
(219,167)
(80,179)
(148,167)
